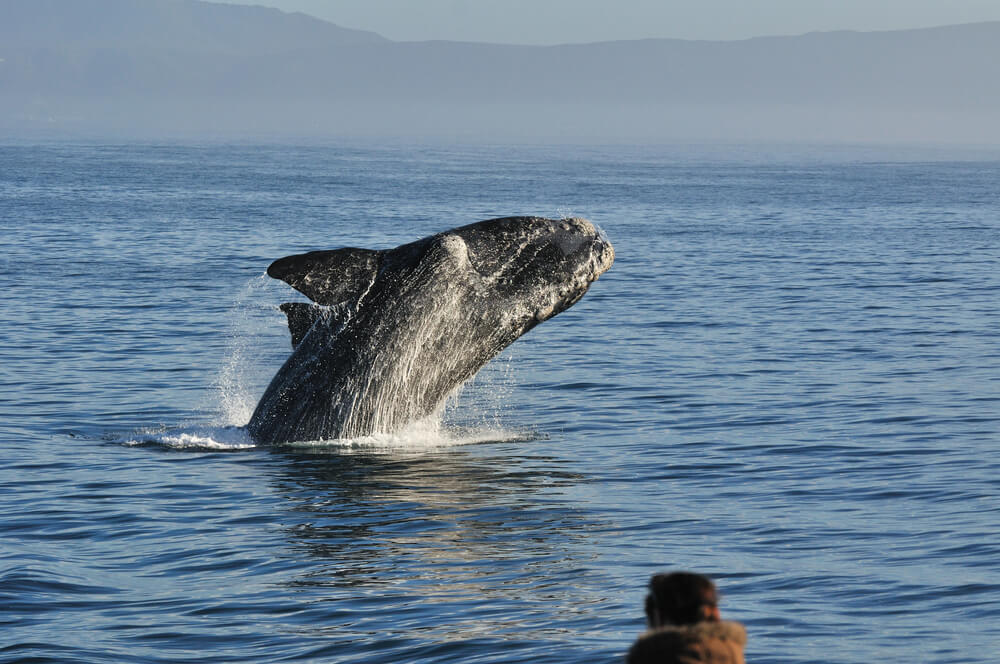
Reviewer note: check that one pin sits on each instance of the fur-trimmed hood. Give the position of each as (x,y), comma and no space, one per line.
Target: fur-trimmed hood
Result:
(713,642)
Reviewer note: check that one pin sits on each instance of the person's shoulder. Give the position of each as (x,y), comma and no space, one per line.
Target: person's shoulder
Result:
(727,630)
(704,641)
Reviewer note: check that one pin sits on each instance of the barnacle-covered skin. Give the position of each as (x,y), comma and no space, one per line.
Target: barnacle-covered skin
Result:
(393,332)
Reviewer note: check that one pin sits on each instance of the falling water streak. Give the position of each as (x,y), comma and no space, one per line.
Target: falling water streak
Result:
(481,402)
(246,318)
(390,381)
(388,386)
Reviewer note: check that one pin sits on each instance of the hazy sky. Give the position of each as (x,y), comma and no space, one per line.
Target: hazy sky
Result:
(567,21)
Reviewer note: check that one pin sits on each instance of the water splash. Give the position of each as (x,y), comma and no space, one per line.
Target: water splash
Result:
(483,402)
(473,413)
(248,318)
(194,438)
(470,415)
(425,435)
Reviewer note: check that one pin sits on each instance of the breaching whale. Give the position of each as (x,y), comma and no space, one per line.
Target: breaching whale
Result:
(393,332)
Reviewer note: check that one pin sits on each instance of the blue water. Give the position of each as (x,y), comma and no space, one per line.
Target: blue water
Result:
(789,380)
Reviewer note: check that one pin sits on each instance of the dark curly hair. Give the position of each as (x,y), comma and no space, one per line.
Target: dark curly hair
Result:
(677,598)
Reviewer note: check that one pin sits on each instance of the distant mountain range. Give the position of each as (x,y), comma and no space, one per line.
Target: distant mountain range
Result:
(163,66)
(173,25)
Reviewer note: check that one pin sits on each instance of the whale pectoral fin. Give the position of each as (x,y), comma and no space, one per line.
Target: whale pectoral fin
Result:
(301,316)
(329,277)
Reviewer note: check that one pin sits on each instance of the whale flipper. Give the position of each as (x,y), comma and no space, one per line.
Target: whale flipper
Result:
(301,316)
(329,277)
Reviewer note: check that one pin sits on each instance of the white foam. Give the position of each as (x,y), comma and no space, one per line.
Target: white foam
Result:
(423,436)
(201,438)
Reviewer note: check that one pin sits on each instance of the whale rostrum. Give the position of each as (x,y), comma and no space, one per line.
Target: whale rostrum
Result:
(392,333)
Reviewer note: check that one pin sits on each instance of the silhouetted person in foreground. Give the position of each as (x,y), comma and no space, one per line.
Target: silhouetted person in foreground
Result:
(682,612)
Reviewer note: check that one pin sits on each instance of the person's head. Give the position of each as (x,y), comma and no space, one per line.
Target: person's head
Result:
(681,598)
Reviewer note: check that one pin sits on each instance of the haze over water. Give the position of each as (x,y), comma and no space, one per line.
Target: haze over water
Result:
(788,380)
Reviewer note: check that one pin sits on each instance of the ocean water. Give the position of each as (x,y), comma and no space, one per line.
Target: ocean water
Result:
(789,380)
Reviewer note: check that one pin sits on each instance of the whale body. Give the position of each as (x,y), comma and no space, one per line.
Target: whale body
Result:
(393,332)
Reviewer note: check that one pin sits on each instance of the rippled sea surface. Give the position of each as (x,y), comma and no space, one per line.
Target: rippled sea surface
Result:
(789,380)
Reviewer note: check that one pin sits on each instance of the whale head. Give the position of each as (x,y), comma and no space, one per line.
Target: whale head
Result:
(536,267)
